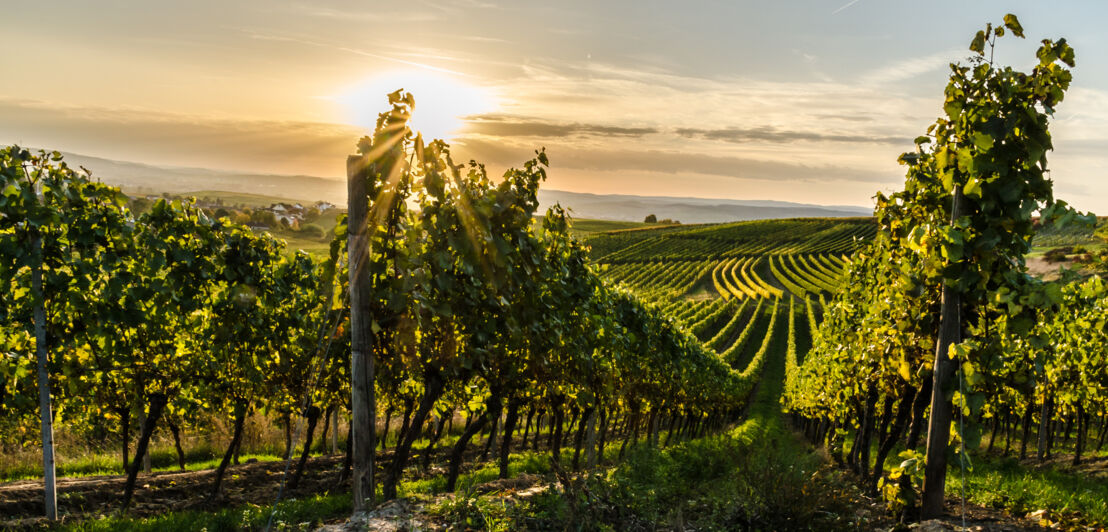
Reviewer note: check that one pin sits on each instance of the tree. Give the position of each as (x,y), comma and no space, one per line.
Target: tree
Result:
(651,219)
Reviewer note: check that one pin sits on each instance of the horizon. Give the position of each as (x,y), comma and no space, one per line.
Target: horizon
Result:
(113,181)
(737,102)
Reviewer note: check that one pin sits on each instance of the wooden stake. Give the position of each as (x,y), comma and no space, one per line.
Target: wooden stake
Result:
(45,409)
(363,404)
(942,412)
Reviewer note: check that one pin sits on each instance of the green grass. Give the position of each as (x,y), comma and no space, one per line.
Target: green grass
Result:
(535,463)
(585,226)
(100,466)
(93,463)
(295,241)
(1005,483)
(243,198)
(303,514)
(757,475)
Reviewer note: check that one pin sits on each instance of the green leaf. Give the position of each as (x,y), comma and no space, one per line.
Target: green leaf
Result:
(978,44)
(1013,23)
(983,141)
(972,189)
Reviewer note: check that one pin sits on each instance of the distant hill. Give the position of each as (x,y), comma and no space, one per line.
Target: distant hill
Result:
(689,210)
(150,179)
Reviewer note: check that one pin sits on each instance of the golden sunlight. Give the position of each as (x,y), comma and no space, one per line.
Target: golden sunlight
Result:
(442,101)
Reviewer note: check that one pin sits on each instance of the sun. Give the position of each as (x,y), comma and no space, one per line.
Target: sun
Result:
(442,101)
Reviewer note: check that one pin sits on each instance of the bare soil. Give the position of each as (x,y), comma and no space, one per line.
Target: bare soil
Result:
(88,497)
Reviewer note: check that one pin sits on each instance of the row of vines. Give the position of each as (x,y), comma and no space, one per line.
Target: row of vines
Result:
(173,318)
(939,325)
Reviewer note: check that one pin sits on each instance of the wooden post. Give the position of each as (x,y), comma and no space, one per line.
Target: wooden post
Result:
(335,430)
(362,404)
(938,428)
(45,409)
(146,455)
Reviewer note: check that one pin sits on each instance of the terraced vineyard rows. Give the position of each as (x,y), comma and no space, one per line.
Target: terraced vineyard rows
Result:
(736,286)
(765,259)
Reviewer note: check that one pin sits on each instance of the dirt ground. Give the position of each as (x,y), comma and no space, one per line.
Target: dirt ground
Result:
(1048,271)
(84,497)
(258,483)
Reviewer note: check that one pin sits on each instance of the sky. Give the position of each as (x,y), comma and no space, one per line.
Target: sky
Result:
(800,100)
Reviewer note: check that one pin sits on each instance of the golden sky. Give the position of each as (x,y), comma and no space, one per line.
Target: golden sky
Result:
(807,101)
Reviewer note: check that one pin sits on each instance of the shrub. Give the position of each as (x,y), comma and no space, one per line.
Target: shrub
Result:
(312,231)
(1057,254)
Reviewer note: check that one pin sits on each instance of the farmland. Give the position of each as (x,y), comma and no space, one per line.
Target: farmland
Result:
(447,355)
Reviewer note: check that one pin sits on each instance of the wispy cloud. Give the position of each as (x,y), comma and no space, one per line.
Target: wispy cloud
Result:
(347,49)
(909,68)
(844,6)
(673,163)
(258,146)
(499,125)
(772,134)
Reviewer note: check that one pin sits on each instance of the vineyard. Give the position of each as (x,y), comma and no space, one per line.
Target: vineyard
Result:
(469,322)
(479,364)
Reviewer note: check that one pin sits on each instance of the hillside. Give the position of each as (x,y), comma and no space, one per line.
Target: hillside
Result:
(689,210)
(138,178)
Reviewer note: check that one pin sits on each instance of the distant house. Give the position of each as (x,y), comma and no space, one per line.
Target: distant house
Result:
(289,219)
(324,206)
(289,214)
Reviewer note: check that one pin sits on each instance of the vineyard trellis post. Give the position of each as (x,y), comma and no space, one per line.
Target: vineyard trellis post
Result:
(938,428)
(45,408)
(362,402)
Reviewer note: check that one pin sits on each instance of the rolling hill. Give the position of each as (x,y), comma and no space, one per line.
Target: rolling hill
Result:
(150,179)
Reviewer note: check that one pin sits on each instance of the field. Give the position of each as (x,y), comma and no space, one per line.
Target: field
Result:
(746,291)
(752,292)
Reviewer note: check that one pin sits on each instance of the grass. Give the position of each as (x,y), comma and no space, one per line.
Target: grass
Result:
(77,458)
(529,462)
(308,513)
(98,465)
(584,226)
(303,514)
(1071,235)
(295,241)
(758,475)
(1005,483)
(242,198)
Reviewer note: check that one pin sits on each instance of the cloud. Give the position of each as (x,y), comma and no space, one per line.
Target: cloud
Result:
(257,146)
(774,135)
(676,163)
(915,66)
(846,117)
(844,6)
(349,50)
(499,125)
